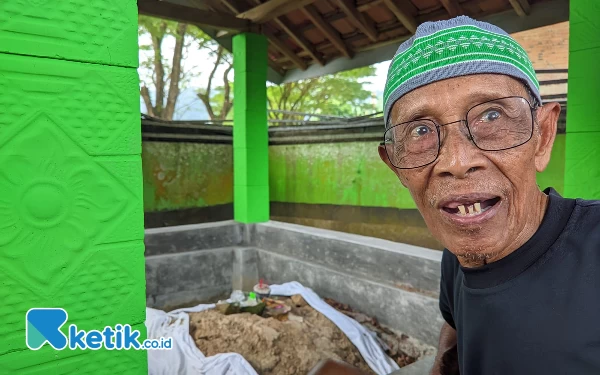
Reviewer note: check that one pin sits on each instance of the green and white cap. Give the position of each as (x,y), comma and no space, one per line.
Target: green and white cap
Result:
(452,48)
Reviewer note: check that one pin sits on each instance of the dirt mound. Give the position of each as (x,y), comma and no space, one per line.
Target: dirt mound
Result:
(296,342)
(272,346)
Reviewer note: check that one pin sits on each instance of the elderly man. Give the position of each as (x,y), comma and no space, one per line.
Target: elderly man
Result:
(466,132)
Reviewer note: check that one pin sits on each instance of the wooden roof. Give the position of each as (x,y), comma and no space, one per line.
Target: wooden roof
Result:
(309,38)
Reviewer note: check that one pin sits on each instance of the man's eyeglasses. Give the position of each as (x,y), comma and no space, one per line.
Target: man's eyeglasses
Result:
(494,125)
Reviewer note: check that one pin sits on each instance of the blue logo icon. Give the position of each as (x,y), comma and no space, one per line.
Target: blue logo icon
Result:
(43,326)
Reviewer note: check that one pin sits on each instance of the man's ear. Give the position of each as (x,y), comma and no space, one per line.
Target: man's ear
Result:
(384,157)
(547,118)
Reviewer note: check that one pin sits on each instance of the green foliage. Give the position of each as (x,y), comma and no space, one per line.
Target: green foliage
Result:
(340,94)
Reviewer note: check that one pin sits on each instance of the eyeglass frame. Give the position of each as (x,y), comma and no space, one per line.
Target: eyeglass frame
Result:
(532,109)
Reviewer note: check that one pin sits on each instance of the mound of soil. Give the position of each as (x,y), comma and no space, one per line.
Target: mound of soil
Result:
(288,346)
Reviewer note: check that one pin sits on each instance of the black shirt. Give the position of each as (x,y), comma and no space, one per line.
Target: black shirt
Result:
(537,310)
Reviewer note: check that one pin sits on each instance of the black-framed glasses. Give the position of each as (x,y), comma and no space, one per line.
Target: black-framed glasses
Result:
(494,125)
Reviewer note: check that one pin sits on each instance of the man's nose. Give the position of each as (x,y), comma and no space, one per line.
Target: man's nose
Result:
(458,154)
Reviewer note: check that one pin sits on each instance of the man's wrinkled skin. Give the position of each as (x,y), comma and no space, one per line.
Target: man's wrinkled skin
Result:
(463,169)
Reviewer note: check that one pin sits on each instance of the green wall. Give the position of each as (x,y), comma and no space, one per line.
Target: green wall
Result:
(582,158)
(554,174)
(353,174)
(185,175)
(70,183)
(334,173)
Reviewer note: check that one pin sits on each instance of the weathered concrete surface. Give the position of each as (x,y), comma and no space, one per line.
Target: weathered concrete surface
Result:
(389,223)
(175,279)
(183,175)
(245,269)
(391,263)
(193,237)
(409,312)
(394,282)
(421,367)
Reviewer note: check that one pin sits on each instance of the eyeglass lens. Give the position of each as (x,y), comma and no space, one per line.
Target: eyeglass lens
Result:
(495,125)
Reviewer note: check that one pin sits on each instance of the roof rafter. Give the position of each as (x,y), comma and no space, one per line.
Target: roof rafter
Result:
(273,8)
(358,19)
(521,7)
(452,7)
(286,25)
(192,16)
(330,33)
(285,50)
(402,15)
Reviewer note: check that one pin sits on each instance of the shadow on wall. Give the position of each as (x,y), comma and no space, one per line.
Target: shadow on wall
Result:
(399,225)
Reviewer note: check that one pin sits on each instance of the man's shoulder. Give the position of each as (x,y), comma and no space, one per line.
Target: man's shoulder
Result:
(587,212)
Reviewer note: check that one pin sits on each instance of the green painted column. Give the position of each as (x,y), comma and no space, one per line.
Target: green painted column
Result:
(71,234)
(582,153)
(250,136)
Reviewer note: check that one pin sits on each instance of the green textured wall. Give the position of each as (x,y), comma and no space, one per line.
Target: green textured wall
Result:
(70,183)
(582,157)
(353,174)
(185,175)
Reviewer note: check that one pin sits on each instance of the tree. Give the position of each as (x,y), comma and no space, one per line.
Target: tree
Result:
(164,85)
(340,94)
(163,78)
(221,96)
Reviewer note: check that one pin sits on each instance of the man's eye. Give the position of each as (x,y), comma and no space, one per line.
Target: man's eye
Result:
(490,116)
(420,131)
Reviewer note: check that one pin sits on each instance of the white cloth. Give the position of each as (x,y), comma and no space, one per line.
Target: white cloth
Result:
(186,358)
(362,338)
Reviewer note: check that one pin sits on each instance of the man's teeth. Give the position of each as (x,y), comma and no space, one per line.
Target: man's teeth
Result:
(474,209)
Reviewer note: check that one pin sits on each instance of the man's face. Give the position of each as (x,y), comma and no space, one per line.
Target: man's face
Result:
(502,183)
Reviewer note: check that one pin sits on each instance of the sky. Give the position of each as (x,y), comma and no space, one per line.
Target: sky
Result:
(201,62)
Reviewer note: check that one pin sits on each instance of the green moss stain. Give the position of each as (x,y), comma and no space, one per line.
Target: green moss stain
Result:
(334,173)
(353,174)
(185,175)
(553,176)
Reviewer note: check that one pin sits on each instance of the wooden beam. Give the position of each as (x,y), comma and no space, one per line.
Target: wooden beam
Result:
(452,7)
(286,25)
(192,16)
(402,15)
(366,6)
(358,19)
(272,8)
(330,33)
(522,7)
(235,6)
(284,49)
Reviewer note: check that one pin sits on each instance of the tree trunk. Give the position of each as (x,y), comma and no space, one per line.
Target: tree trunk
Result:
(147,101)
(227,103)
(205,97)
(159,70)
(175,72)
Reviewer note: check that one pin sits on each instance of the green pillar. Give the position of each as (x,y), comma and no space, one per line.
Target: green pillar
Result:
(582,159)
(71,234)
(250,136)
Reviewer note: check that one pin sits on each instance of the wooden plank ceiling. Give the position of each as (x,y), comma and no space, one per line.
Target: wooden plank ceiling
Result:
(306,32)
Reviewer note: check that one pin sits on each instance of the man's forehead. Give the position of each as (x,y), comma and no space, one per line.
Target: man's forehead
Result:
(460,93)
